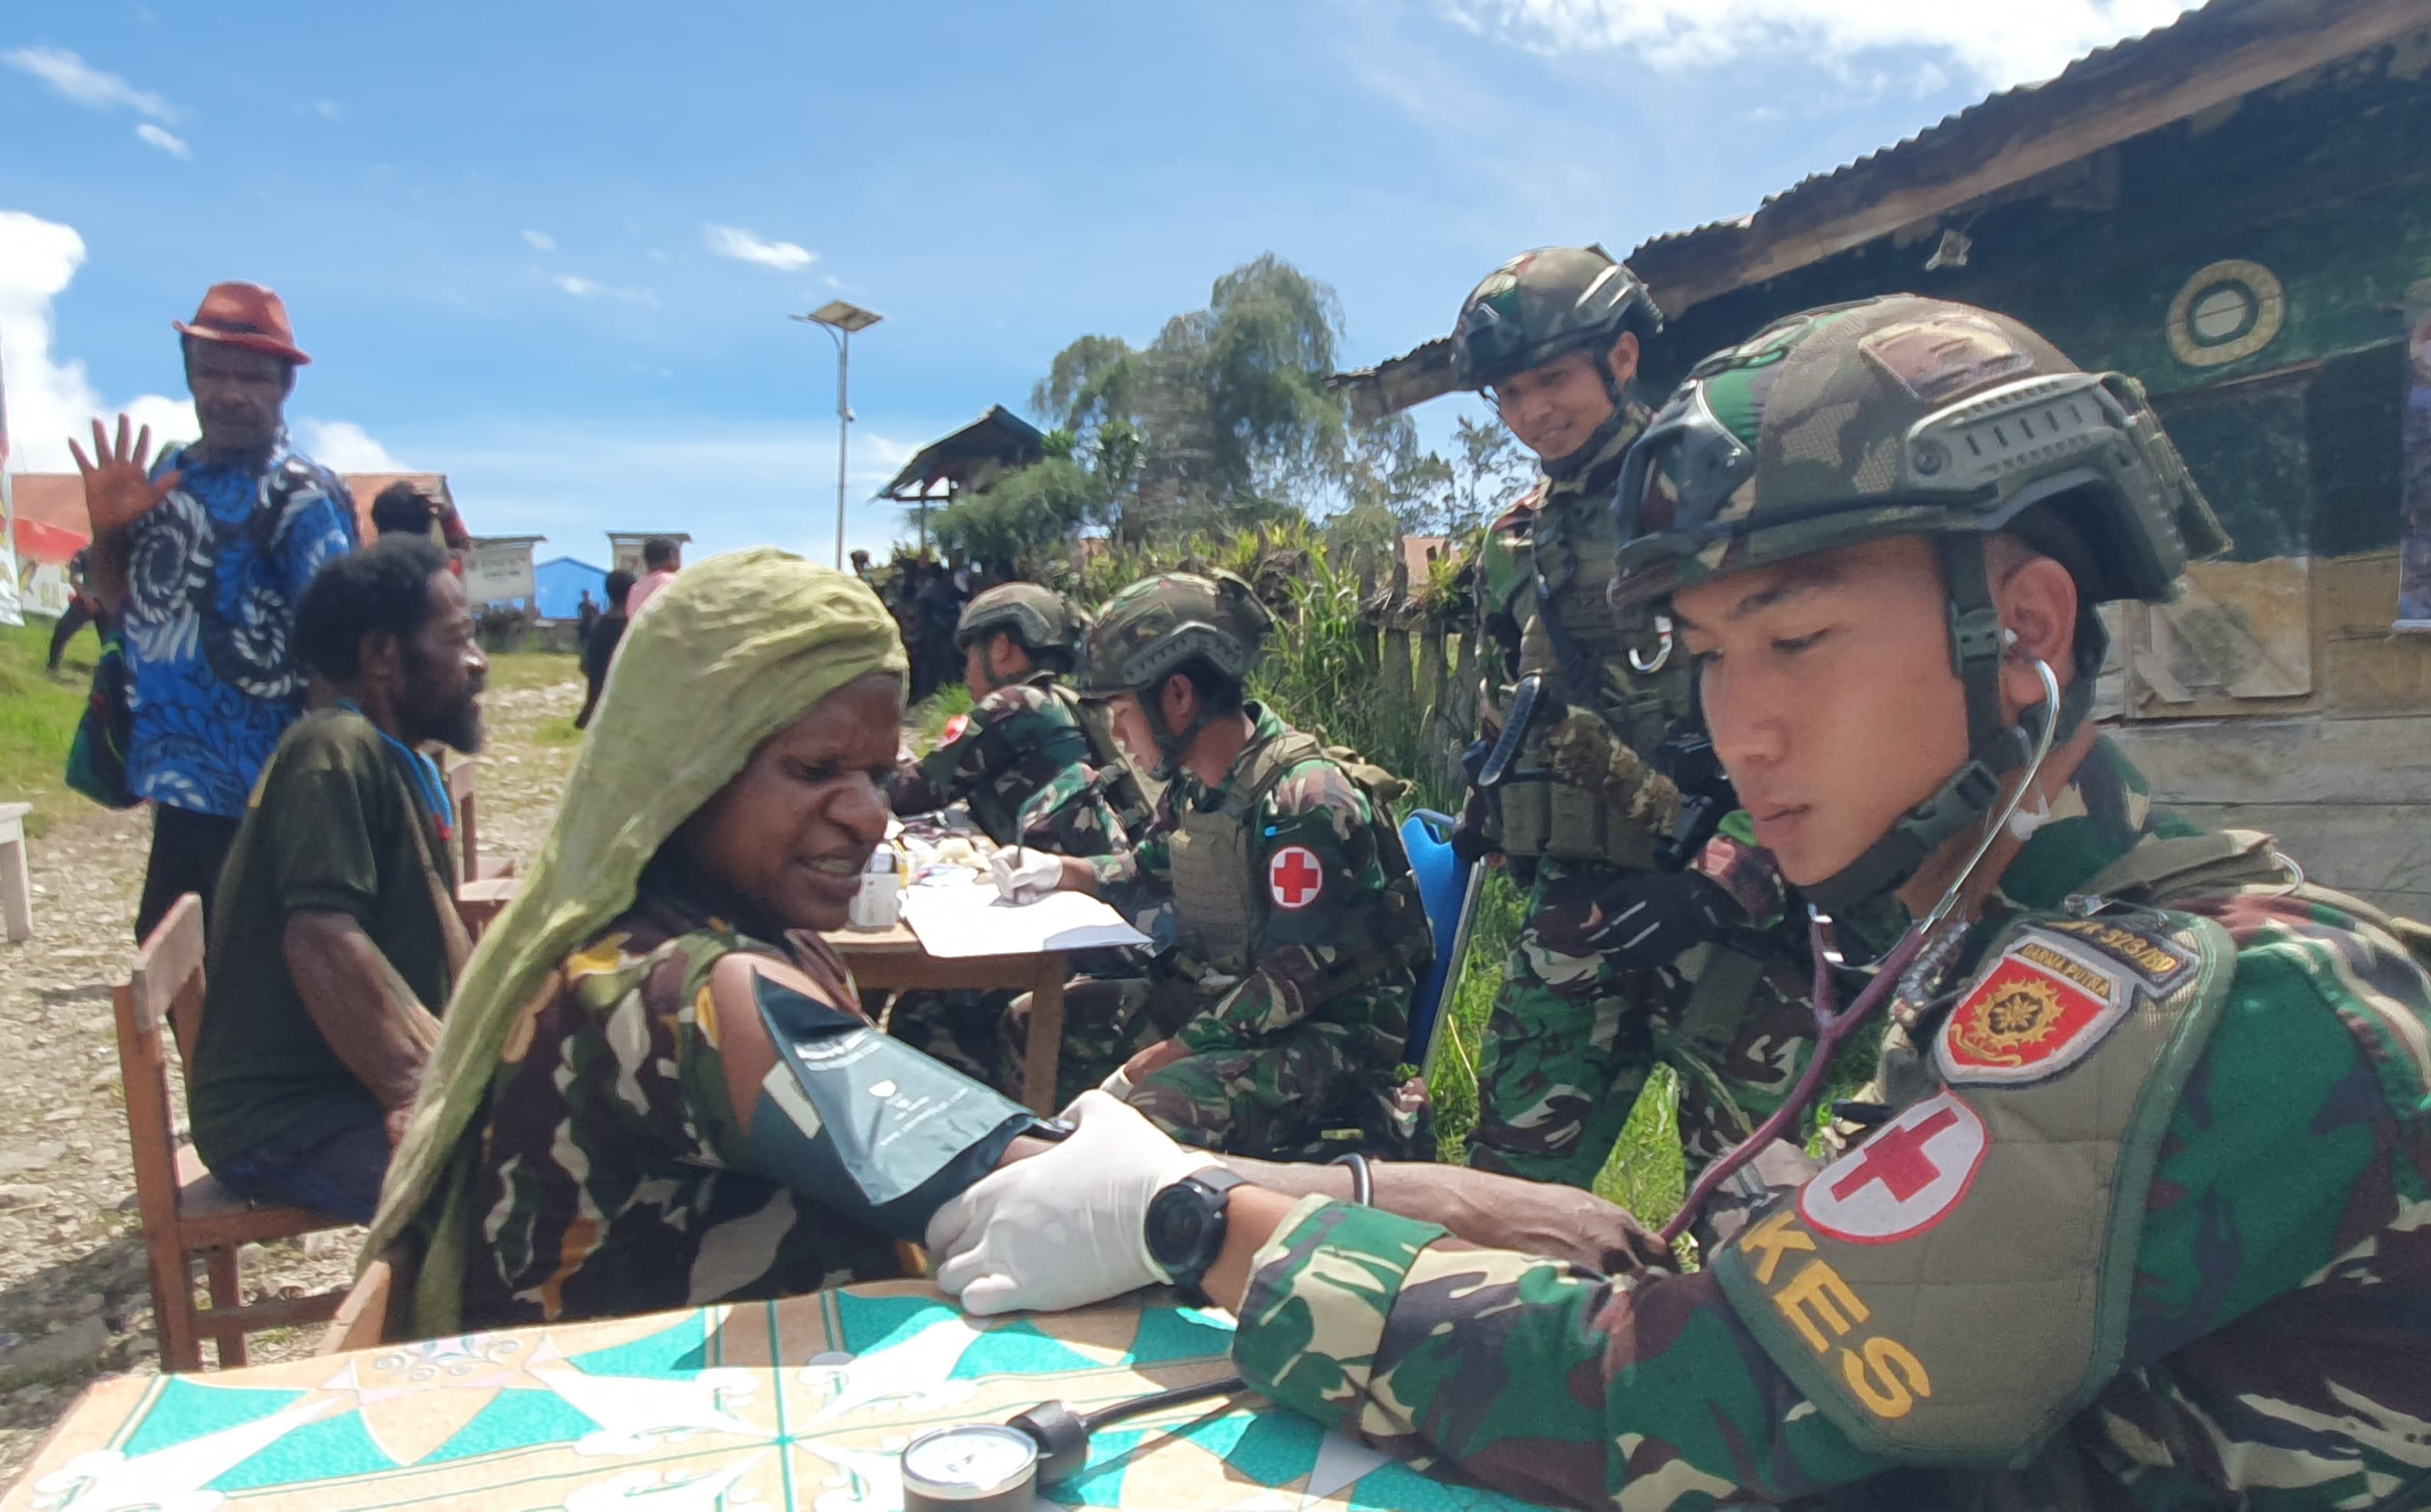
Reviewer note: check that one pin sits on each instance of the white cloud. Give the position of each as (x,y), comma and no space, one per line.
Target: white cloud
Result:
(581,288)
(658,254)
(80,81)
(167,142)
(742,246)
(328,110)
(540,241)
(50,398)
(345,446)
(1999,42)
(834,282)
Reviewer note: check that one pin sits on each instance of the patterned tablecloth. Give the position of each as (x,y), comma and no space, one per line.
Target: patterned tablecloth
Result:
(758,1407)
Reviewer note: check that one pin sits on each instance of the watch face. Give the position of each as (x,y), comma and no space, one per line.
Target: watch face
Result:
(958,1464)
(1176,1221)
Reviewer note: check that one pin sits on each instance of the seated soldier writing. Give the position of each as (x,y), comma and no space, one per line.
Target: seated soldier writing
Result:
(335,938)
(1286,1003)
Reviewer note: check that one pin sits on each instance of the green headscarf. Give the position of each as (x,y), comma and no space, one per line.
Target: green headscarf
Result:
(729,653)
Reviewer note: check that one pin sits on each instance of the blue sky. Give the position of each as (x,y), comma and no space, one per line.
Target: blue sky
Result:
(508,232)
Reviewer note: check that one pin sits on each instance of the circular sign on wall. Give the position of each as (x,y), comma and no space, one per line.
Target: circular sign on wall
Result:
(2227,311)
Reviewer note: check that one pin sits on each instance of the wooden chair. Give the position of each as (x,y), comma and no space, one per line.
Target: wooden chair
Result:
(462,794)
(186,1211)
(379,1309)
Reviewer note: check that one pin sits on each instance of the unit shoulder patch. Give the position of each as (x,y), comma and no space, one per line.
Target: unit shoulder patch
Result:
(955,729)
(2046,1002)
(1908,1175)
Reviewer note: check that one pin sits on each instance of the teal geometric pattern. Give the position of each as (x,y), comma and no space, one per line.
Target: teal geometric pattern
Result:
(772,1407)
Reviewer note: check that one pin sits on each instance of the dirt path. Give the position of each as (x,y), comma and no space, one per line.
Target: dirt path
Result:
(74,1300)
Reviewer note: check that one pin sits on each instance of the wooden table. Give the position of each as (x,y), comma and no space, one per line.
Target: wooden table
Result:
(892,959)
(802,1406)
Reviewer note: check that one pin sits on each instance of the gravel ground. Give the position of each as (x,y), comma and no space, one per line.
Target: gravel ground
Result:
(74,1300)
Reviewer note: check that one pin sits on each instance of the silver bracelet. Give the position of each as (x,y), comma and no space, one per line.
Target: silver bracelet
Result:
(1362,1177)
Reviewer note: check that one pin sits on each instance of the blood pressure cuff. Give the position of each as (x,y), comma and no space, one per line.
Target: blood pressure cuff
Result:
(864,1124)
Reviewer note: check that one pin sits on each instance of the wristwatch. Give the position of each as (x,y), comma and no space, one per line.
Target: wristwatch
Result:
(1185,1226)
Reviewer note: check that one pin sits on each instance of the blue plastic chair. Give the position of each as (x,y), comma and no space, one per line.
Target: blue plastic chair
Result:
(1443,882)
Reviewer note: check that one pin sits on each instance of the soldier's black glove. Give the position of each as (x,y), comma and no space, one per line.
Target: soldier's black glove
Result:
(1646,919)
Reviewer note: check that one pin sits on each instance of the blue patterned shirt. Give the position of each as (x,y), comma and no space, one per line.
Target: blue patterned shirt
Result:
(214,573)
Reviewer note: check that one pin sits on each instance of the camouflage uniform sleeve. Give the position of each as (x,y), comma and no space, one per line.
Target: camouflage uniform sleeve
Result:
(1138,882)
(1315,856)
(1531,1376)
(1071,817)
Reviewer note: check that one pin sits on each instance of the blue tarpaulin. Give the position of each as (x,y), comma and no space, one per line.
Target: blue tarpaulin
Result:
(561,581)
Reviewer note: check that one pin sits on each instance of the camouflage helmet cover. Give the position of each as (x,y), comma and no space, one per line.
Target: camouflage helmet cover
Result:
(1149,629)
(1543,303)
(1041,618)
(1902,415)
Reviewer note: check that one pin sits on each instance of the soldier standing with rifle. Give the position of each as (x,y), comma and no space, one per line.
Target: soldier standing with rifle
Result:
(1655,929)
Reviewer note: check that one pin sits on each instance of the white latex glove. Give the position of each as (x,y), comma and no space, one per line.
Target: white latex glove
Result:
(1066,1227)
(1025,876)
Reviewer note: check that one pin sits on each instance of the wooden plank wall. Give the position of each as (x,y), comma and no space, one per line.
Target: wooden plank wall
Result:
(2346,787)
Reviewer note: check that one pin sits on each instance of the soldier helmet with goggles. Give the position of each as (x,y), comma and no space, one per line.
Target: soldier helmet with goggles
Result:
(1209,627)
(1902,415)
(1544,304)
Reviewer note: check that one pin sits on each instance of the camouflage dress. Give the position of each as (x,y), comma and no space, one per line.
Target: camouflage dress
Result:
(1576,1032)
(1298,1057)
(1031,775)
(2271,1351)
(615,1175)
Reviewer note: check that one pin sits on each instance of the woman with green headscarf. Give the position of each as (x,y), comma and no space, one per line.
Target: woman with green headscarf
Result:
(611,1124)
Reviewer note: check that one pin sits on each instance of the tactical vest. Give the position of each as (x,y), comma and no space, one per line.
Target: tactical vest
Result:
(1570,636)
(1220,891)
(1953,1289)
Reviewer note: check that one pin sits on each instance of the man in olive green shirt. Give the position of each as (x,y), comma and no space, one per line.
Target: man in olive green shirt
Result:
(335,940)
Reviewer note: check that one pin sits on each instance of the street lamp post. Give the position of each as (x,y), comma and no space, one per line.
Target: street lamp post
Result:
(841,318)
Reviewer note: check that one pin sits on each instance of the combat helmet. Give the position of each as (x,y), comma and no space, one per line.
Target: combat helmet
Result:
(1902,415)
(1158,625)
(1040,618)
(1542,304)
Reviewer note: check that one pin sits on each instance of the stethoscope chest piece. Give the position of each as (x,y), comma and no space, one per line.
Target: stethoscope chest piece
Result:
(981,1467)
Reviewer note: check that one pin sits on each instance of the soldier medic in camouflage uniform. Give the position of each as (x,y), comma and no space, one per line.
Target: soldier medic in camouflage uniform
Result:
(1624,962)
(1038,769)
(2139,1222)
(1274,866)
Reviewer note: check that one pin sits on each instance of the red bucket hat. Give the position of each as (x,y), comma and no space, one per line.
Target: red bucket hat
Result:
(248,315)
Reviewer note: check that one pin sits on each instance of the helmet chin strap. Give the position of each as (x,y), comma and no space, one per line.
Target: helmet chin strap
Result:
(1563,468)
(1995,746)
(1171,745)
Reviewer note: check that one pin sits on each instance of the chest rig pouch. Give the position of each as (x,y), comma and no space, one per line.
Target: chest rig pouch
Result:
(1567,632)
(1953,1289)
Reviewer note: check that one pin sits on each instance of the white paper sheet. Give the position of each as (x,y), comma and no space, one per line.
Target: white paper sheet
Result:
(955,919)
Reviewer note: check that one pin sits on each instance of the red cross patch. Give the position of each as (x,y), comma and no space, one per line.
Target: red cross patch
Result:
(954,728)
(1294,876)
(1905,1179)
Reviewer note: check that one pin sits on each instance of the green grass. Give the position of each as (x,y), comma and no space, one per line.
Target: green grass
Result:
(533,669)
(38,721)
(1646,1173)
(928,718)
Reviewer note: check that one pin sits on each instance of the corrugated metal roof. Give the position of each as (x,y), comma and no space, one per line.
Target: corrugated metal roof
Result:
(2093,63)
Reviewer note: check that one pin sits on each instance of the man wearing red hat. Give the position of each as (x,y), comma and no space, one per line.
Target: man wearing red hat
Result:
(207,550)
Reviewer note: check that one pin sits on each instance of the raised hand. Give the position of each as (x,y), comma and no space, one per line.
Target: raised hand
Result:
(117,489)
